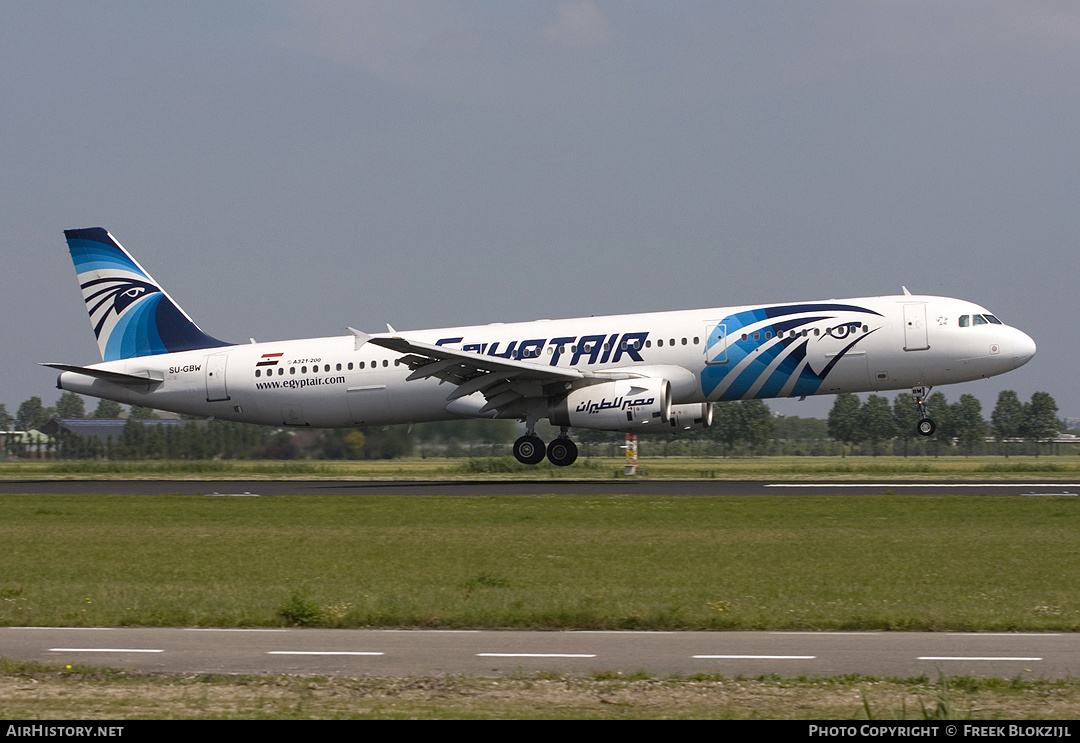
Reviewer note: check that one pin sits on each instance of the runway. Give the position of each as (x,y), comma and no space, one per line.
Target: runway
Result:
(538,487)
(495,653)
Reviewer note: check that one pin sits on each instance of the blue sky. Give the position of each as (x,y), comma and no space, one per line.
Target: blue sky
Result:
(288,168)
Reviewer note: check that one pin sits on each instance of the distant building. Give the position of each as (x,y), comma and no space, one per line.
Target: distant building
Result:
(105,430)
(31,444)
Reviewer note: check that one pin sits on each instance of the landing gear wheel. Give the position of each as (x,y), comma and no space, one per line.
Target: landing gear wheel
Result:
(925,426)
(529,450)
(562,452)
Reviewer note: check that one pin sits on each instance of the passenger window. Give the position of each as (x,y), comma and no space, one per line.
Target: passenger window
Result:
(768,334)
(757,336)
(660,343)
(258,372)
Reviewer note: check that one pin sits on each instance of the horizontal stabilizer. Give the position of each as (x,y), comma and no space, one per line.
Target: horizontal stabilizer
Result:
(144,377)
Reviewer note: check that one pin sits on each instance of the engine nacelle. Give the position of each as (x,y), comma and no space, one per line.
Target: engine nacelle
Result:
(690,417)
(628,405)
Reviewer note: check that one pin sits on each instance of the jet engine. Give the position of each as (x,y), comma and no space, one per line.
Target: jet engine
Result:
(629,405)
(691,417)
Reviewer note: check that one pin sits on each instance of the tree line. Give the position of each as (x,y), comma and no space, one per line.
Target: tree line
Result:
(874,426)
(870,427)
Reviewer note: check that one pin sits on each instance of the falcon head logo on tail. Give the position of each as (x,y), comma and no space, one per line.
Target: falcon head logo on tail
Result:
(130,313)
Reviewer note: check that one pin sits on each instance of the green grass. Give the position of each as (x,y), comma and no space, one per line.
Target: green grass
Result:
(603,468)
(959,562)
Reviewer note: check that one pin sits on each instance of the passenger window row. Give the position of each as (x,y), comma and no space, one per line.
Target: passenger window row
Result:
(350,366)
(326,367)
(671,342)
(796,333)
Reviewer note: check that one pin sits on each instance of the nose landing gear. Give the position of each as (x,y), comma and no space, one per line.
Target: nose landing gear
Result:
(926,425)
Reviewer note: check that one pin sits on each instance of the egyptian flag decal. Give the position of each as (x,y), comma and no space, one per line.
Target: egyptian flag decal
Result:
(270,359)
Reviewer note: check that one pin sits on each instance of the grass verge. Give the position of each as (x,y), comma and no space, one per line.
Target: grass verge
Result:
(959,562)
(31,691)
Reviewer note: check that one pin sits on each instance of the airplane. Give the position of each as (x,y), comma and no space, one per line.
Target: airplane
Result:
(633,373)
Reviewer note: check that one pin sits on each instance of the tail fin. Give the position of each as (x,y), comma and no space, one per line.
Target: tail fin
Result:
(131,314)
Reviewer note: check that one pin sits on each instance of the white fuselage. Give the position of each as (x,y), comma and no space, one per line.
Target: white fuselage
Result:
(753,351)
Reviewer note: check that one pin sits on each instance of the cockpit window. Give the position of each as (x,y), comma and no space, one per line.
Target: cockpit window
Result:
(965,321)
(979,319)
(994,320)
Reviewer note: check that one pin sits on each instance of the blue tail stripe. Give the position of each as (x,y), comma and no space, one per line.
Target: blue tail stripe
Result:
(96,256)
(135,331)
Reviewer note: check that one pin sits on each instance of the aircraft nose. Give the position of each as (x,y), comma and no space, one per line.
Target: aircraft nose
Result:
(1023,348)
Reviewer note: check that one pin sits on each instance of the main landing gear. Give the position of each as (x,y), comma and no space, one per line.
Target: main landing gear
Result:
(562,452)
(926,425)
(529,449)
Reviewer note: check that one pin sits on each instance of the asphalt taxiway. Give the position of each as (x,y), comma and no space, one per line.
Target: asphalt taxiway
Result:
(560,486)
(383,652)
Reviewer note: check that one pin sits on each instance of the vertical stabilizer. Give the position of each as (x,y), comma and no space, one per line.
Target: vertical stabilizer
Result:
(130,313)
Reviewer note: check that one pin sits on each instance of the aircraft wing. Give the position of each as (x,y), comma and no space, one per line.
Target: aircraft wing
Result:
(503,382)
